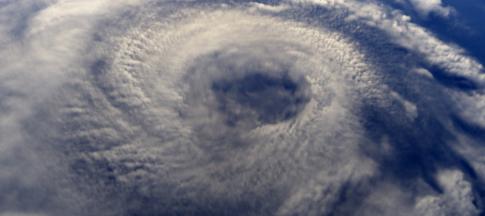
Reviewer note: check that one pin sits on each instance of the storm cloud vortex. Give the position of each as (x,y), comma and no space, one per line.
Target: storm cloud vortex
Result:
(229,108)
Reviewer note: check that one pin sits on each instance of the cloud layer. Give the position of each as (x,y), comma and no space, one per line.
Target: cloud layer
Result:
(306,107)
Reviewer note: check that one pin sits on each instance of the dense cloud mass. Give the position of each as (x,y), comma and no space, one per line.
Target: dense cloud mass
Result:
(292,107)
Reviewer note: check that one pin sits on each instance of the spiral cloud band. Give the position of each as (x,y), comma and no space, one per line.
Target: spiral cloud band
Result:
(296,107)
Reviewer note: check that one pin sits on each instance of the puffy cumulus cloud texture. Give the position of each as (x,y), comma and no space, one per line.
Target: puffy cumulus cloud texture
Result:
(424,7)
(293,107)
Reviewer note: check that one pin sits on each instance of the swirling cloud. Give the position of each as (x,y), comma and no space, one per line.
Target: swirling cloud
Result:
(304,107)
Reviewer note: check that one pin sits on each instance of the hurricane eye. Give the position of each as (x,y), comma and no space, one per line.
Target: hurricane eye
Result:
(228,107)
(267,100)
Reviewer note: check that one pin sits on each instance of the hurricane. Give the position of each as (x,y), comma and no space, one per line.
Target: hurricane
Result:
(226,107)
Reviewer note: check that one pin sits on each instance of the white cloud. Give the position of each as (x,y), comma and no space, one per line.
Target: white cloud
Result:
(145,80)
(425,7)
(472,107)
(41,43)
(457,200)
(410,35)
(409,107)
(423,72)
